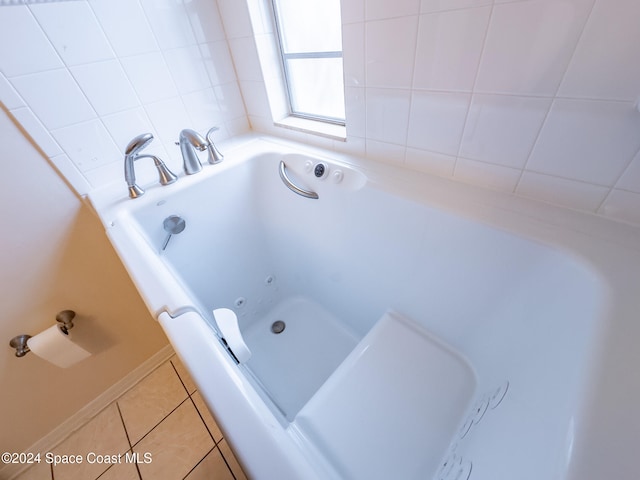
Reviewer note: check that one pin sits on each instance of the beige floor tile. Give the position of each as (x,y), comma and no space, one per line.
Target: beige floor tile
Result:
(213,467)
(189,384)
(38,471)
(232,461)
(121,471)
(146,404)
(176,445)
(104,434)
(212,426)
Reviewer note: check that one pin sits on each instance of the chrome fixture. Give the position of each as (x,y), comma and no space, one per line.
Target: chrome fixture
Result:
(214,154)
(64,319)
(20,344)
(189,142)
(173,225)
(131,155)
(292,186)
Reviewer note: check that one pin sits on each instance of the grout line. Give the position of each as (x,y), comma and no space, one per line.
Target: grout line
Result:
(128,439)
(157,424)
(473,89)
(124,425)
(215,443)
(180,378)
(555,96)
(227,463)
(199,462)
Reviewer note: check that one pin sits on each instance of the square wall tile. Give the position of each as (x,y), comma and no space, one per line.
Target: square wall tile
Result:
(87,144)
(8,95)
(355,111)
(529,45)
(381,9)
(622,205)
(74,31)
(442,5)
(24,48)
(430,162)
(591,141)
(235,18)
(169,117)
(205,20)
(630,179)
(54,96)
(255,99)
(106,86)
(150,77)
(216,58)
(387,114)
(150,401)
(353,54)
(126,26)
(502,128)
(203,110)
(245,58)
(385,152)
(124,126)
(487,175)
(561,191)
(169,22)
(230,100)
(187,68)
(352,11)
(449,48)
(437,121)
(605,64)
(390,47)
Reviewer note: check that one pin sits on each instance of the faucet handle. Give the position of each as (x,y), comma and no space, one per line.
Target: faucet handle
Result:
(214,154)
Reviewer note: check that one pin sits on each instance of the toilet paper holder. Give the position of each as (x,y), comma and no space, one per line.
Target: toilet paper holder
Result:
(64,319)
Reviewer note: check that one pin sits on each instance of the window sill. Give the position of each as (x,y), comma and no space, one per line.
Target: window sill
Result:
(328,130)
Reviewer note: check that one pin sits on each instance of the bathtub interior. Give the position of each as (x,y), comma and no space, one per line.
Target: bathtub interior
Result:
(519,317)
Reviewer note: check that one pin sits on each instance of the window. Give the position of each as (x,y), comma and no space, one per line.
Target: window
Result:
(311,46)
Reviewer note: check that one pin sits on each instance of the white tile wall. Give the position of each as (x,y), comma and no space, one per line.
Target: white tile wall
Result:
(533,97)
(85,77)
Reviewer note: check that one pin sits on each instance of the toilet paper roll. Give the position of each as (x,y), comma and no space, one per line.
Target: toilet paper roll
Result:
(57,347)
(228,325)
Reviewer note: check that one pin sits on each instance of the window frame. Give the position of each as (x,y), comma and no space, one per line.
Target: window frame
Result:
(297,56)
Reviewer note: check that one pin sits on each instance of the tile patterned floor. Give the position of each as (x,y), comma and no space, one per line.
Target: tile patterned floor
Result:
(163,419)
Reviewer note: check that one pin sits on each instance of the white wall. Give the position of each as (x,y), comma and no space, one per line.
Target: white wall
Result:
(534,97)
(55,256)
(85,77)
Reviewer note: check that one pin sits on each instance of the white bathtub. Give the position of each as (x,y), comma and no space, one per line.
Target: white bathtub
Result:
(432,330)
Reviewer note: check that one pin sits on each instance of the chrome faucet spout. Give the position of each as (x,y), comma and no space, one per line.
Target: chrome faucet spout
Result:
(214,154)
(189,141)
(131,155)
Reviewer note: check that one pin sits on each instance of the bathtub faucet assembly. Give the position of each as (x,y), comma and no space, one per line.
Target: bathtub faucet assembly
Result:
(131,155)
(189,142)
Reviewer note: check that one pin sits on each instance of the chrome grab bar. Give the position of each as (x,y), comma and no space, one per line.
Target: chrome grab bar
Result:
(293,187)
